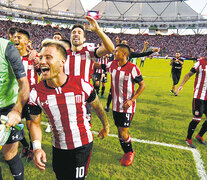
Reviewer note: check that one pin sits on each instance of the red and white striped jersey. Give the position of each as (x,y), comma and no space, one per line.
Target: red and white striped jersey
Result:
(200,85)
(81,63)
(102,60)
(65,108)
(122,85)
(30,70)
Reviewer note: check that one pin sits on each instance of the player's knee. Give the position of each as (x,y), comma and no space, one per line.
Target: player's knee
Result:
(123,135)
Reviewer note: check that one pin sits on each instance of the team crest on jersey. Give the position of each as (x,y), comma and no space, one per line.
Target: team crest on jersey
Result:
(78,98)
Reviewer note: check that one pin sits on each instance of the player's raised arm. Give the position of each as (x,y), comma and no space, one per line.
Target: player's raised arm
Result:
(107,46)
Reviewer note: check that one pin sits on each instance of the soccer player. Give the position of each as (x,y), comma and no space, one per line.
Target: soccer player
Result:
(21,40)
(131,55)
(12,30)
(146,43)
(81,59)
(124,75)
(177,64)
(101,76)
(199,100)
(14,91)
(57,36)
(63,98)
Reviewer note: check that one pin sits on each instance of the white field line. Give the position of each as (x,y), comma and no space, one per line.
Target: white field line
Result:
(196,154)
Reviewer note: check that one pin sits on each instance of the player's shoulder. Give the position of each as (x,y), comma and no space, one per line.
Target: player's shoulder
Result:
(75,80)
(39,86)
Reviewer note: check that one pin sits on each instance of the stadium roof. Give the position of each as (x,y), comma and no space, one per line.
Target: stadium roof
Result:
(161,14)
(148,11)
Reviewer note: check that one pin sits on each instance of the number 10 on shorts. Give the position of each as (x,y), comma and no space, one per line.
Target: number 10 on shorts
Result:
(80,172)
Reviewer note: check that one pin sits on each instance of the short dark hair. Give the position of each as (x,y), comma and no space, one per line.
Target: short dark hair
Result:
(22,31)
(58,33)
(78,26)
(57,44)
(12,30)
(124,46)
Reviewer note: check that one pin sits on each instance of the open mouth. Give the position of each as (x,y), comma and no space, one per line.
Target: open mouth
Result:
(16,44)
(44,69)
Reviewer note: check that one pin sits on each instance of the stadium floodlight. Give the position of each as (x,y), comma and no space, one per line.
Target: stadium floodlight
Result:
(145,1)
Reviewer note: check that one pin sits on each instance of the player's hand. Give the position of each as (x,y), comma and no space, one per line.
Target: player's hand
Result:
(104,132)
(14,118)
(40,159)
(93,24)
(127,103)
(179,89)
(146,43)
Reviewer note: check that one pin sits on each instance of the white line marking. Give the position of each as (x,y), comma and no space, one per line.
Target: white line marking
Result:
(196,154)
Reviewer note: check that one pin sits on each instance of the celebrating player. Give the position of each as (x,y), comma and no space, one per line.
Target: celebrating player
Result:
(81,59)
(63,98)
(21,40)
(124,75)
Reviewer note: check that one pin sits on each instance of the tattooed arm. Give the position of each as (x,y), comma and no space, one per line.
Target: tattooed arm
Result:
(97,106)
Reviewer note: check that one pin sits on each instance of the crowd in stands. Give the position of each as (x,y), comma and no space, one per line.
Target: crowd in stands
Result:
(190,46)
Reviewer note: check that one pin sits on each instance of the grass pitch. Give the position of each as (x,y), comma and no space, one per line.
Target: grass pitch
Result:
(159,116)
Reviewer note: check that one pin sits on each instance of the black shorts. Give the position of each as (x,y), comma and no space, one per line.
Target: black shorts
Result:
(199,107)
(122,119)
(104,80)
(15,134)
(71,164)
(25,112)
(176,73)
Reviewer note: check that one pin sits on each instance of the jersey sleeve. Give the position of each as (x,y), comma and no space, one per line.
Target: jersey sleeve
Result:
(195,68)
(138,54)
(92,50)
(135,72)
(34,108)
(87,88)
(13,57)
(108,66)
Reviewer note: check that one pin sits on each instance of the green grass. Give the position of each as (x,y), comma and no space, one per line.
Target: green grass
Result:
(159,116)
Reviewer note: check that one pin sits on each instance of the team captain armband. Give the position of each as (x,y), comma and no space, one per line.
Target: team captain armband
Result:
(91,97)
(138,79)
(34,110)
(193,70)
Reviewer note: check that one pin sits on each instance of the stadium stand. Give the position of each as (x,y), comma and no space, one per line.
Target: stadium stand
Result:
(190,46)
